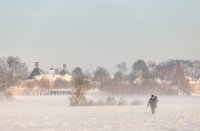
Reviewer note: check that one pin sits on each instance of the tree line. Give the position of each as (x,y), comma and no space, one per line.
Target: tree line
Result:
(168,77)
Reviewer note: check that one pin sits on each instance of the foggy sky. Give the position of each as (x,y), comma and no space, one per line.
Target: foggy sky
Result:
(88,33)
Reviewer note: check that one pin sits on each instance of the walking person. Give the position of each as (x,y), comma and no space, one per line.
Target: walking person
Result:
(153,103)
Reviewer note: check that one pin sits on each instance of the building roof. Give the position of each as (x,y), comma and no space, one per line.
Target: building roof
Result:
(35,72)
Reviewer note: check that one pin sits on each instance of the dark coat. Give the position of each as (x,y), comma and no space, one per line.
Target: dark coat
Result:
(153,102)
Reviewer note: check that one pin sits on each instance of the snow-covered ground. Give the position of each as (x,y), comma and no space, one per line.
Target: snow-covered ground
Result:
(52,113)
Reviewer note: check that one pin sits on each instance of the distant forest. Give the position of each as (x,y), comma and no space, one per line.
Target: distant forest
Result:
(168,77)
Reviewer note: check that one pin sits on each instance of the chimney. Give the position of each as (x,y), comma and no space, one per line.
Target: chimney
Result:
(36,64)
(64,70)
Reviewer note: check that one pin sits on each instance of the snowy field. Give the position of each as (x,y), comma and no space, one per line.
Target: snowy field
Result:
(52,113)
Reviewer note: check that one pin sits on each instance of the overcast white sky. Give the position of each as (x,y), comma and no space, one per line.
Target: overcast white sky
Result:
(88,33)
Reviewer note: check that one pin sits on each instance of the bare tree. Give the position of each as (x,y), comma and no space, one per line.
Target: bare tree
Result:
(152,69)
(17,70)
(181,80)
(140,67)
(12,70)
(101,74)
(118,76)
(122,67)
(3,71)
(81,85)
(77,73)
